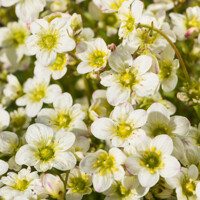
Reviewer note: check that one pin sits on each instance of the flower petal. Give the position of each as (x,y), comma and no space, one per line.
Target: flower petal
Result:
(142,63)
(171,167)
(179,125)
(163,143)
(38,133)
(103,128)
(117,94)
(101,183)
(148,179)
(64,161)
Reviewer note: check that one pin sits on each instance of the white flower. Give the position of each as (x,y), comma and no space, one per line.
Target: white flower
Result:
(159,122)
(80,147)
(109,5)
(65,115)
(13,88)
(26,10)
(128,188)
(130,15)
(20,184)
(152,159)
(53,186)
(185,183)
(161,4)
(37,91)
(46,149)
(48,39)
(188,25)
(57,70)
(3,167)
(78,184)
(122,126)
(185,150)
(4,119)
(167,69)
(127,76)
(94,56)
(12,40)
(105,167)
(19,120)
(86,34)
(9,144)
(100,106)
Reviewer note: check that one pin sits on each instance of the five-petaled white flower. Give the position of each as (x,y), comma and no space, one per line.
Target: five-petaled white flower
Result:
(93,54)
(105,167)
(159,122)
(37,91)
(130,15)
(46,149)
(65,115)
(127,76)
(48,39)
(152,159)
(122,126)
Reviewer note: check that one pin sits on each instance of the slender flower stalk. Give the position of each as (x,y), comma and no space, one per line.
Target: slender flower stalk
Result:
(172,45)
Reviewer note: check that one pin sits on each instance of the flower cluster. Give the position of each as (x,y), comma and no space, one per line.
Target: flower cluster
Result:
(99,99)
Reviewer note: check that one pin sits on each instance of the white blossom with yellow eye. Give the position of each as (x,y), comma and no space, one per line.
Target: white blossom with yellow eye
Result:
(48,39)
(37,91)
(93,54)
(46,149)
(152,159)
(105,167)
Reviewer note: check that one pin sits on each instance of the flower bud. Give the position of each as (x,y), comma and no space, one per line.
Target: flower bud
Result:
(53,186)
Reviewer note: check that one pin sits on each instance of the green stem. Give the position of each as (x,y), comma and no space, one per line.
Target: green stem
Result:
(87,89)
(172,45)
(74,56)
(2,155)
(61,178)
(66,178)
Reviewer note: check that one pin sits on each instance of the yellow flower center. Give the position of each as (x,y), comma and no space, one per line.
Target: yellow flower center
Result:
(165,69)
(18,36)
(21,185)
(79,184)
(105,163)
(188,187)
(160,130)
(151,160)
(148,38)
(59,62)
(63,120)
(38,93)
(18,121)
(194,22)
(129,26)
(97,58)
(48,41)
(46,153)
(128,79)
(124,130)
